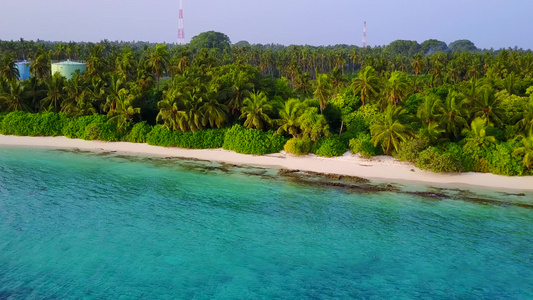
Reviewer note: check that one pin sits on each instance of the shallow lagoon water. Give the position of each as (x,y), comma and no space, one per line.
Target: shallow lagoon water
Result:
(79,225)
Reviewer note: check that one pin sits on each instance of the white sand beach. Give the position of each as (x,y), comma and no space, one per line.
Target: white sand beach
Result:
(381,168)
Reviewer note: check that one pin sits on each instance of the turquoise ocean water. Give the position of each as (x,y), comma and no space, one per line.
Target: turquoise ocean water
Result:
(86,226)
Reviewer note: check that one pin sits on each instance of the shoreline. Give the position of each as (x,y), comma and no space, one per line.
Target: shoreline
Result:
(379,168)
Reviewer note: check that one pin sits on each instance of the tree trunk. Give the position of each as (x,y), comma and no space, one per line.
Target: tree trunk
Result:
(340,132)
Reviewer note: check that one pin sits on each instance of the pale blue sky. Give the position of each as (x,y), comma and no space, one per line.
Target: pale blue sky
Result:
(488,23)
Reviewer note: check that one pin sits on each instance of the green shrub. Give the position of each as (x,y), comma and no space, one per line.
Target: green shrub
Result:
(93,127)
(49,124)
(298,146)
(457,152)
(92,132)
(75,128)
(24,123)
(160,136)
(329,147)
(139,133)
(363,145)
(475,159)
(252,141)
(109,132)
(437,161)
(501,161)
(18,123)
(410,149)
(205,139)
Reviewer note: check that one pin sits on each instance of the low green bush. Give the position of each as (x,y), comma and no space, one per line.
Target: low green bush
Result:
(28,124)
(252,141)
(298,146)
(363,145)
(329,147)
(18,123)
(474,159)
(501,161)
(438,161)
(75,128)
(410,149)
(92,132)
(139,133)
(205,139)
(160,136)
(95,127)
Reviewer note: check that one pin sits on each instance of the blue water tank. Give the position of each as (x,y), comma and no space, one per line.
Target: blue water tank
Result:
(24,69)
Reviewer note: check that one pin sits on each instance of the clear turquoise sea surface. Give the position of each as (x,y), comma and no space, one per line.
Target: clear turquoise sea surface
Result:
(85,226)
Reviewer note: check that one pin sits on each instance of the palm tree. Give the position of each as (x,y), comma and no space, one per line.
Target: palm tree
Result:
(192,101)
(488,107)
(54,96)
(338,81)
(389,130)
(302,84)
(452,115)
(124,64)
(96,65)
(124,111)
(116,83)
(354,57)
(171,112)
(240,89)
(428,110)
(158,61)
(417,63)
(396,88)
(432,132)
(323,90)
(76,94)
(8,69)
(525,122)
(290,114)
(96,92)
(13,97)
(477,135)
(33,92)
(255,110)
(40,66)
(526,150)
(366,84)
(213,112)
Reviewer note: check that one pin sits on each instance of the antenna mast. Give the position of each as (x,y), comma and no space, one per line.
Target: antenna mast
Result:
(364,36)
(181,28)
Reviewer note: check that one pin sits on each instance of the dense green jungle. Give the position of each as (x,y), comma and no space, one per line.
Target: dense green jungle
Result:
(445,108)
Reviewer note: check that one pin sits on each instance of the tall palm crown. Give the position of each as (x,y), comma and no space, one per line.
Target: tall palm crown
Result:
(290,117)
(12,99)
(255,111)
(323,90)
(477,135)
(452,114)
(526,150)
(8,69)
(389,130)
(397,87)
(366,84)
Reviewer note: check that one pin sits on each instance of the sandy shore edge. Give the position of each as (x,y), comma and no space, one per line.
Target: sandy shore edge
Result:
(381,168)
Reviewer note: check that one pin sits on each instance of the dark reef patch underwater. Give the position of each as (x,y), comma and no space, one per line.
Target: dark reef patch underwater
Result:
(78,225)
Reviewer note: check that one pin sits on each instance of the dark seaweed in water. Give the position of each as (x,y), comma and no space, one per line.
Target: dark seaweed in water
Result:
(351,184)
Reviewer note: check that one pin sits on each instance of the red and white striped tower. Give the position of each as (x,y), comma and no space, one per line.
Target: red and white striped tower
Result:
(181,28)
(364,36)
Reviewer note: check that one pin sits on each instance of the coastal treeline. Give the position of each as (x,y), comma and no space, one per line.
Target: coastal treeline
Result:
(446,108)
